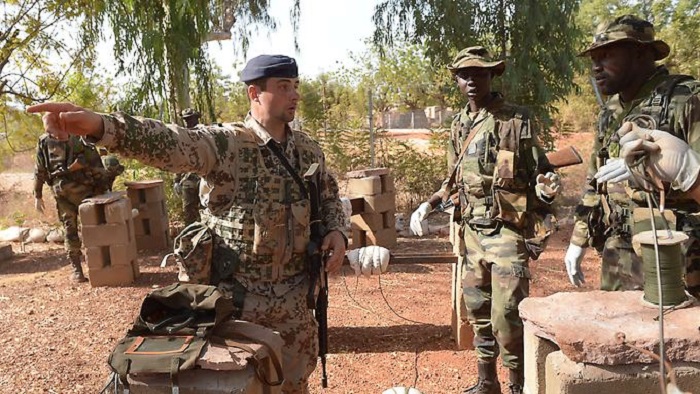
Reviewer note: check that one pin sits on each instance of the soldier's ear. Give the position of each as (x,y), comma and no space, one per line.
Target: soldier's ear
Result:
(253,93)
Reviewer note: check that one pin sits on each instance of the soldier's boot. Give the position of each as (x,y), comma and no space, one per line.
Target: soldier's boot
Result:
(76,275)
(517,381)
(488,380)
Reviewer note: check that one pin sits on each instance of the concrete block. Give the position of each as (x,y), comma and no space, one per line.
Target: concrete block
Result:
(365,186)
(91,214)
(385,237)
(367,221)
(145,195)
(388,183)
(118,211)
(536,351)
(6,252)
(108,234)
(116,275)
(150,226)
(367,172)
(564,376)
(380,203)
(105,256)
(135,269)
(153,242)
(152,210)
(462,331)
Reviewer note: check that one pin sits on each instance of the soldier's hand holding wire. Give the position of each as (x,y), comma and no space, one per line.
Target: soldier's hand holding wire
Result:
(547,186)
(334,242)
(64,119)
(417,218)
(669,157)
(39,205)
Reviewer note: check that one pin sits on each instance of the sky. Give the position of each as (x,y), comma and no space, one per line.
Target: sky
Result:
(328,31)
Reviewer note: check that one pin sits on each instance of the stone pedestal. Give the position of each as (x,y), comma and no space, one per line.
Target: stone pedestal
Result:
(373,200)
(151,225)
(571,343)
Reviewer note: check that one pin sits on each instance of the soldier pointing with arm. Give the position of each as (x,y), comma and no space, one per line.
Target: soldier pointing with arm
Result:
(256,208)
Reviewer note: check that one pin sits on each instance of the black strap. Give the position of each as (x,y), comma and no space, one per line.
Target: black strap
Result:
(274,147)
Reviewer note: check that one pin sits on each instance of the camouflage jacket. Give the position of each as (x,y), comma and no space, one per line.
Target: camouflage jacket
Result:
(667,102)
(238,169)
(61,164)
(498,170)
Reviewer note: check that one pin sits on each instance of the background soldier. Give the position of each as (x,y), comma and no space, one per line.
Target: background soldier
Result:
(624,53)
(500,174)
(186,185)
(258,210)
(113,168)
(74,172)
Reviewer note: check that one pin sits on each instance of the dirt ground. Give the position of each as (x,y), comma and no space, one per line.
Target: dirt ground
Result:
(388,330)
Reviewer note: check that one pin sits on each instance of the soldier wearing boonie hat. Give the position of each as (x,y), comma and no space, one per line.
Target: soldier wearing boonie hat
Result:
(499,171)
(255,206)
(624,54)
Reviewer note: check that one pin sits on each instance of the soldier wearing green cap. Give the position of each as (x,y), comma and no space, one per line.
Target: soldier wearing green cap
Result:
(624,53)
(186,185)
(260,214)
(505,186)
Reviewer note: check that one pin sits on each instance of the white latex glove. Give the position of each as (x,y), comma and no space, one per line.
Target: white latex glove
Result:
(670,158)
(547,185)
(614,170)
(370,260)
(39,205)
(572,260)
(417,218)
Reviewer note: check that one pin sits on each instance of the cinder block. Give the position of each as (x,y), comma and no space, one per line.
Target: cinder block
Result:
(359,239)
(104,256)
(367,172)
(380,203)
(152,210)
(117,275)
(388,183)
(536,351)
(153,242)
(368,186)
(385,237)
(150,226)
(367,221)
(118,211)
(145,195)
(108,234)
(564,376)
(5,251)
(91,214)
(135,269)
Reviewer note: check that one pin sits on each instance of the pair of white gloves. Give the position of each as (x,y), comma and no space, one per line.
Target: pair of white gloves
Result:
(547,186)
(669,158)
(369,260)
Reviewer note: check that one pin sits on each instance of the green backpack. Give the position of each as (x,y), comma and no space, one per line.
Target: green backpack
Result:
(174,324)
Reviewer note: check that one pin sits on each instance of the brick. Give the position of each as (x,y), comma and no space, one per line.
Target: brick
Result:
(119,275)
(118,211)
(367,172)
(359,239)
(385,237)
(367,221)
(564,376)
(97,257)
(388,183)
(536,351)
(368,186)
(91,214)
(150,226)
(380,203)
(152,210)
(108,234)
(6,252)
(105,256)
(146,195)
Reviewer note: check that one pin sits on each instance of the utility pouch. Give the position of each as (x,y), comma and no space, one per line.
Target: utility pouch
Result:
(193,250)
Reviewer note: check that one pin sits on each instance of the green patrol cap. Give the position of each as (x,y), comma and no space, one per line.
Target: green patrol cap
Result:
(189,112)
(476,56)
(628,28)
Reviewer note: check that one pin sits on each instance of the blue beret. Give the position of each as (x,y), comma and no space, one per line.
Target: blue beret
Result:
(267,66)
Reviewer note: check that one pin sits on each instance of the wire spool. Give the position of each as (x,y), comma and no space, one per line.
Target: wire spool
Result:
(671,263)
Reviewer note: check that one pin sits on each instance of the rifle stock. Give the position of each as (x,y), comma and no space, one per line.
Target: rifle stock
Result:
(317,269)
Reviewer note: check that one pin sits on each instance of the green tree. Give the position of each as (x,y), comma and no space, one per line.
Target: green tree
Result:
(537,39)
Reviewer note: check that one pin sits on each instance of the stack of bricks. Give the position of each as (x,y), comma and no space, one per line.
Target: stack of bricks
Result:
(108,237)
(151,226)
(373,200)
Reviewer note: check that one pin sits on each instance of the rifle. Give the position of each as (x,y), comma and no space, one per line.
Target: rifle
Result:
(317,269)
(561,158)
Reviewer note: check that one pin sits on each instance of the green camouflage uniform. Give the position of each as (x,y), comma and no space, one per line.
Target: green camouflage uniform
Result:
(113,169)
(666,102)
(189,193)
(258,213)
(499,208)
(70,188)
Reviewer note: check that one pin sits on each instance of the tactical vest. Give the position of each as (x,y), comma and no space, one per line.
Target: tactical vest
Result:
(494,181)
(267,227)
(57,156)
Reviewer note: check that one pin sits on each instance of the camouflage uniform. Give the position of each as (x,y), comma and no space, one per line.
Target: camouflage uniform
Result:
(496,185)
(667,102)
(251,196)
(69,186)
(189,193)
(113,169)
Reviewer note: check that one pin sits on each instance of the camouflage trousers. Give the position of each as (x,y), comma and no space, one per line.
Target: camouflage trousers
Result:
(496,279)
(190,203)
(282,307)
(67,203)
(621,267)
